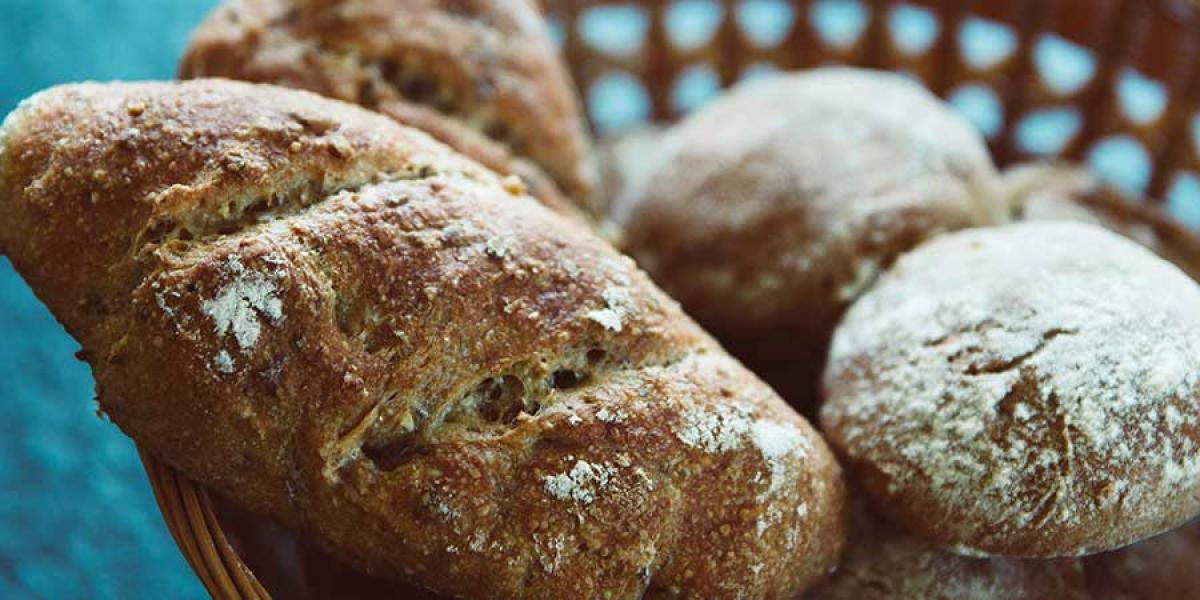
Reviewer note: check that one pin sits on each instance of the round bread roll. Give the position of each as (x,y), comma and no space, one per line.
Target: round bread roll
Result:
(1167,566)
(482,76)
(1064,192)
(768,211)
(883,563)
(1027,390)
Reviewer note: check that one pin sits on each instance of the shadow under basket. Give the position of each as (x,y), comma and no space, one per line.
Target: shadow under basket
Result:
(1129,108)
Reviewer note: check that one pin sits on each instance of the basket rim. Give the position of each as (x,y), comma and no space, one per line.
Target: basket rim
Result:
(188,513)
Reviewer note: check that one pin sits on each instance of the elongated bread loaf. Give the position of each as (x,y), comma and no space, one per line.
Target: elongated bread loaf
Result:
(479,75)
(338,322)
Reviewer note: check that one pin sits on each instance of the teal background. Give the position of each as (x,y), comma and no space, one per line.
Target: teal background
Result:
(77,519)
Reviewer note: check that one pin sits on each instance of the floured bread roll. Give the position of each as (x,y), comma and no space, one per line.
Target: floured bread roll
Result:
(1062,192)
(883,563)
(1167,566)
(338,322)
(768,211)
(1027,390)
(480,75)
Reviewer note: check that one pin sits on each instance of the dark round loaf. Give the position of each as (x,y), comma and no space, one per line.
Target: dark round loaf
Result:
(771,209)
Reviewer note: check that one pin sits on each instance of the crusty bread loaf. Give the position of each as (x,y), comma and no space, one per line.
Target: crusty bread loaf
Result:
(769,210)
(1064,192)
(339,322)
(884,563)
(479,75)
(1027,390)
(1166,566)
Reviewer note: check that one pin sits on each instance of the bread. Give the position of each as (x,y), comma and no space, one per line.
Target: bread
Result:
(772,208)
(624,158)
(1063,192)
(1160,567)
(884,563)
(1027,390)
(341,324)
(479,75)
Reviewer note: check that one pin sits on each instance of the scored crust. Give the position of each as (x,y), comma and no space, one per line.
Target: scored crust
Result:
(1027,390)
(768,211)
(338,322)
(479,75)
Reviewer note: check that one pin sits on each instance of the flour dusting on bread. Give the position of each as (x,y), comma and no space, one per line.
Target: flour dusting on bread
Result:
(1033,381)
(582,483)
(616,303)
(236,309)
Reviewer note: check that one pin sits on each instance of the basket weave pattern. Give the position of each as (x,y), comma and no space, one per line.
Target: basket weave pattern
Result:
(1155,41)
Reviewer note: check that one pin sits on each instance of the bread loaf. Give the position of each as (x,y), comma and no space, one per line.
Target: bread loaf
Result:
(1027,390)
(338,322)
(768,211)
(479,75)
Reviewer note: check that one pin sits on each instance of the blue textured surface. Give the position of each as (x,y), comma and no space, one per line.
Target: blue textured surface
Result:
(77,519)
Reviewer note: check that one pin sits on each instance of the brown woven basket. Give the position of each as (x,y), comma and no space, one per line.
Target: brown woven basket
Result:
(1154,44)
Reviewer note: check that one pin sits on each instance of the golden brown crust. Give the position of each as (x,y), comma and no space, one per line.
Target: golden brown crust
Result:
(1064,192)
(771,209)
(442,380)
(883,563)
(479,75)
(1160,567)
(1026,390)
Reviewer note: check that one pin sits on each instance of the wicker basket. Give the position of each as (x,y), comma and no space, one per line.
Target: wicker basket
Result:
(1149,46)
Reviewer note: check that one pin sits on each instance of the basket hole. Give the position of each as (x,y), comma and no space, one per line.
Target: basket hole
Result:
(1195,128)
(614,29)
(913,28)
(691,23)
(1123,161)
(1183,199)
(839,23)
(758,70)
(1064,66)
(1142,99)
(554,28)
(980,105)
(1046,131)
(695,85)
(617,101)
(766,22)
(985,43)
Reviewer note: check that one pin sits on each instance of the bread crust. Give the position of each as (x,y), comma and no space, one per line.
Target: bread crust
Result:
(479,75)
(1026,390)
(340,323)
(772,208)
